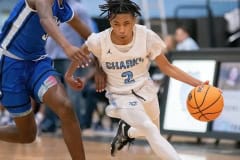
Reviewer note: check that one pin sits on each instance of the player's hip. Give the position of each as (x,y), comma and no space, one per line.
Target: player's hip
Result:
(131,102)
(24,56)
(144,90)
(18,76)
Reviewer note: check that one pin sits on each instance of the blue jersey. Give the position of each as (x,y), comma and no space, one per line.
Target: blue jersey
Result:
(22,33)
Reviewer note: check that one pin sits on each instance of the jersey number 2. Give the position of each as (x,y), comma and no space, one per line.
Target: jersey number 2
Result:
(128,75)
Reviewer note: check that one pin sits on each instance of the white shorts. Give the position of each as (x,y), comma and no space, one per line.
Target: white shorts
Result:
(144,99)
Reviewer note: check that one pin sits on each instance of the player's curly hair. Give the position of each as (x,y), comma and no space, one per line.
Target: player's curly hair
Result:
(113,7)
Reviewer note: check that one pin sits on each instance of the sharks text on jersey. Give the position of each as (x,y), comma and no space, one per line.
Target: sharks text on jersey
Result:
(124,64)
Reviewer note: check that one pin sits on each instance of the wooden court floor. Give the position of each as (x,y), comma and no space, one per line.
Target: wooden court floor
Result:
(49,147)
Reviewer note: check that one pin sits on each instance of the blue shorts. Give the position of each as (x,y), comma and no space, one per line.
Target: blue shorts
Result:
(21,79)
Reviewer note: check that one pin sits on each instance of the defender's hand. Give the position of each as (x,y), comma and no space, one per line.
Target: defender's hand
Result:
(76,54)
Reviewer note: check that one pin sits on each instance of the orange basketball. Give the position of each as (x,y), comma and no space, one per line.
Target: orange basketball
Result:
(205,103)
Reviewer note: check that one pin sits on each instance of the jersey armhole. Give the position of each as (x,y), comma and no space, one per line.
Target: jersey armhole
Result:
(71,16)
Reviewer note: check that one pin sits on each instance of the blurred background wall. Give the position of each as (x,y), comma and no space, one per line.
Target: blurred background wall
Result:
(204,18)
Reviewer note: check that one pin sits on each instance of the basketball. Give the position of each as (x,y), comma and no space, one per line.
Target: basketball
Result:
(205,103)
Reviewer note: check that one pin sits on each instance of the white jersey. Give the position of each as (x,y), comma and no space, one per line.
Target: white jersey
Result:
(126,66)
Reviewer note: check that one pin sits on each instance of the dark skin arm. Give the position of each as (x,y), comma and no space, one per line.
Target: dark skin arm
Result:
(44,10)
(99,75)
(77,24)
(76,83)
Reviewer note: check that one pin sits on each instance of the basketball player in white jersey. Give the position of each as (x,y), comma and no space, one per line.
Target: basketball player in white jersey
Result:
(125,52)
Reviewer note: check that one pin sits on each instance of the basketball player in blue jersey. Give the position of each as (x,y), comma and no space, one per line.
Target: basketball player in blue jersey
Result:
(125,52)
(27,72)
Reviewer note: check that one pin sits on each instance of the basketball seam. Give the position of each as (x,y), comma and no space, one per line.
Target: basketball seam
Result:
(204,96)
(198,107)
(210,104)
(213,112)
(209,113)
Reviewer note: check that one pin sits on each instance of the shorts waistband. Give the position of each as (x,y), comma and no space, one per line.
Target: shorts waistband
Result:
(130,91)
(9,54)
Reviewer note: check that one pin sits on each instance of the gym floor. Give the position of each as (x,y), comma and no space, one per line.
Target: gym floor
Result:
(97,147)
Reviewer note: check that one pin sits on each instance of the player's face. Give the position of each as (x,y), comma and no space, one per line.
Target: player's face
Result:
(122,25)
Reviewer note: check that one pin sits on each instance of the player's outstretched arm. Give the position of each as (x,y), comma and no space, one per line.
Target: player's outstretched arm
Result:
(44,10)
(172,71)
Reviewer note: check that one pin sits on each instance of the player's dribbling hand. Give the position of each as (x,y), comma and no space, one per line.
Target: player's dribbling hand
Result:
(207,83)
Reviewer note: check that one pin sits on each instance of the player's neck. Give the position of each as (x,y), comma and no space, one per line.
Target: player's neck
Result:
(119,41)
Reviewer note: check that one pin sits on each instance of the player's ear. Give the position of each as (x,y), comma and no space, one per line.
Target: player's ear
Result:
(110,22)
(135,19)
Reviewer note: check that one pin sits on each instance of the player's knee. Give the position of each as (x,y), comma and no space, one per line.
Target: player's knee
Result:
(29,134)
(65,111)
(109,111)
